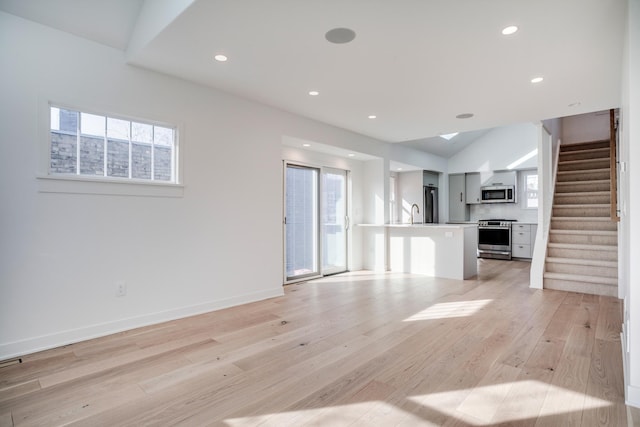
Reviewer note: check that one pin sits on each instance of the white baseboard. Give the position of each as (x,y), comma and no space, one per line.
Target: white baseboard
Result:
(633,396)
(45,342)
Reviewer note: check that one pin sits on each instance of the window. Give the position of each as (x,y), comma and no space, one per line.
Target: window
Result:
(93,145)
(530,180)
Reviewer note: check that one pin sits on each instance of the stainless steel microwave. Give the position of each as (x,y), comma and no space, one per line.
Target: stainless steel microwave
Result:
(498,194)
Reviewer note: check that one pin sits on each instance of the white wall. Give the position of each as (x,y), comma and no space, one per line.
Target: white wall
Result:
(410,191)
(629,228)
(585,127)
(499,149)
(60,254)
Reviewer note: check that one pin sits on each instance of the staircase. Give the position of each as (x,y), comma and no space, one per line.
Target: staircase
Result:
(582,253)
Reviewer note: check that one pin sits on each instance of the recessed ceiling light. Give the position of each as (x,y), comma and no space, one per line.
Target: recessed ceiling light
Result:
(448,136)
(399,169)
(306,145)
(509,30)
(372,116)
(220,58)
(351,155)
(537,79)
(340,35)
(314,93)
(464,116)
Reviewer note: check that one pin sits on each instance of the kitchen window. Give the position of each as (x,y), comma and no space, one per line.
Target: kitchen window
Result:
(530,190)
(86,147)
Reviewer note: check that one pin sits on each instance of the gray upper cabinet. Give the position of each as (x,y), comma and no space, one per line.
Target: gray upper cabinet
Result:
(499,178)
(430,178)
(473,182)
(458,208)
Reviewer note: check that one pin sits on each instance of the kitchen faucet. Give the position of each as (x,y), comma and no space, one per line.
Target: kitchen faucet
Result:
(417,211)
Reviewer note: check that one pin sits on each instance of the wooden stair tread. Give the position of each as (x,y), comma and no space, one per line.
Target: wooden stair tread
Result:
(584,232)
(580,278)
(581,218)
(580,261)
(585,193)
(603,149)
(590,182)
(583,171)
(578,161)
(581,246)
(582,205)
(576,145)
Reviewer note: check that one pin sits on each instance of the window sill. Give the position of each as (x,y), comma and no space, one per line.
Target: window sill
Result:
(104,186)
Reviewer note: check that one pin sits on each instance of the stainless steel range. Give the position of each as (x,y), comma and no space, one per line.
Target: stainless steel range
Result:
(494,238)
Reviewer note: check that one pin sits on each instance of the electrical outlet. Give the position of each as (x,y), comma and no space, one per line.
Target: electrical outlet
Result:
(121,288)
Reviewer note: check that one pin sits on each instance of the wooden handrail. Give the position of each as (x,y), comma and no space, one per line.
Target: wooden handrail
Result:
(613,165)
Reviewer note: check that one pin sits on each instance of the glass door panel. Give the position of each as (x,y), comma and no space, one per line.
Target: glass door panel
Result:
(334,221)
(301,222)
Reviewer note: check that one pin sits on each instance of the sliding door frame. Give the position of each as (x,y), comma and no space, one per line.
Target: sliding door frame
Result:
(285,164)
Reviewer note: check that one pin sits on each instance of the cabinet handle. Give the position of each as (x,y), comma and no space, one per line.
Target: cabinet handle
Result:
(461,196)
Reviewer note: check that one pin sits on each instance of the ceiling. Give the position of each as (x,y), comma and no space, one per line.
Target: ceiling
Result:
(414,64)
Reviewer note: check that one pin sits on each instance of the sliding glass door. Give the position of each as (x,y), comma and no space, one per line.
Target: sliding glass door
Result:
(316,222)
(301,222)
(334,220)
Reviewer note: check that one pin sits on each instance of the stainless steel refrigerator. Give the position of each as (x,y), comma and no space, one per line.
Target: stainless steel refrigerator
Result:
(430,204)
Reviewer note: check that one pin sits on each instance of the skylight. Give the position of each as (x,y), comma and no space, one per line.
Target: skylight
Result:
(448,136)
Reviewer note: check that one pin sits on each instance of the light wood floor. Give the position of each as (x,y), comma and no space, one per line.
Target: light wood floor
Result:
(361,349)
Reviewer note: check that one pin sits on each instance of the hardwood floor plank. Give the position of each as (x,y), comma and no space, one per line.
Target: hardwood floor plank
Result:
(487,396)
(19,390)
(604,402)
(6,420)
(359,349)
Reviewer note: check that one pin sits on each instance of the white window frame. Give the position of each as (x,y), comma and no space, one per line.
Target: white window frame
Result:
(49,182)
(523,175)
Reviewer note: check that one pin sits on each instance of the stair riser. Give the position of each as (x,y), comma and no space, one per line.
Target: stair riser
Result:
(581,269)
(583,225)
(582,176)
(584,146)
(584,155)
(581,211)
(585,288)
(583,239)
(586,199)
(582,254)
(573,187)
(584,165)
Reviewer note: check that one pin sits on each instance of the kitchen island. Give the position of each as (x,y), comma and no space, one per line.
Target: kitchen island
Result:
(438,250)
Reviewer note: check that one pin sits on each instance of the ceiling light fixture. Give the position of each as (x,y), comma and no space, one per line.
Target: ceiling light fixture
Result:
(306,145)
(340,35)
(399,169)
(537,79)
(372,116)
(351,155)
(220,58)
(314,93)
(464,116)
(509,30)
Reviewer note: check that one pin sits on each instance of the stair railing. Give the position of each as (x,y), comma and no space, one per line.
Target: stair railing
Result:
(613,171)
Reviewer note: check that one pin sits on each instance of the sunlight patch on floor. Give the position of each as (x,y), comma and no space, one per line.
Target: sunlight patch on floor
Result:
(512,401)
(450,309)
(366,413)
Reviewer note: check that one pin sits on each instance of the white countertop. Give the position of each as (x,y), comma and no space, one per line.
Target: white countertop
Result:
(420,225)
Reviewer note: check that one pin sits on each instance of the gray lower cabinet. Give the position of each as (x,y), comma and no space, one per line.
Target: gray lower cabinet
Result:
(458,208)
(523,238)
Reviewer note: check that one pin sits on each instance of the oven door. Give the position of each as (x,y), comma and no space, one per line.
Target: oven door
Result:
(494,239)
